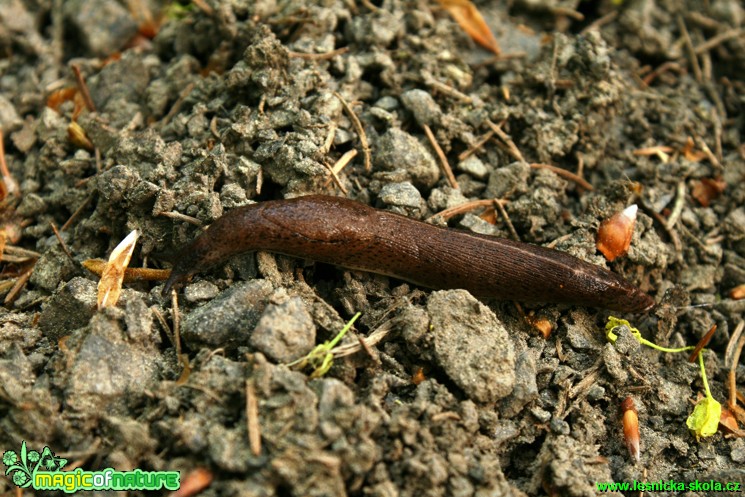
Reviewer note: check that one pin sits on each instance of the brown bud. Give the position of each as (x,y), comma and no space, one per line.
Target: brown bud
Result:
(418,376)
(194,482)
(77,136)
(737,293)
(614,234)
(543,325)
(631,427)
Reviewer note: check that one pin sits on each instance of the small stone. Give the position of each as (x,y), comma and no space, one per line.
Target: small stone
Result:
(70,308)
(16,374)
(106,369)
(471,345)
(53,267)
(738,451)
(474,167)
(228,448)
(445,197)
(423,106)
(526,387)
(700,277)
(9,118)
(614,363)
(32,205)
(25,138)
(397,149)
(232,196)
(285,331)
(104,26)
(200,291)
(581,331)
(226,320)
(116,184)
(401,195)
(509,179)
(139,320)
(387,103)
(383,115)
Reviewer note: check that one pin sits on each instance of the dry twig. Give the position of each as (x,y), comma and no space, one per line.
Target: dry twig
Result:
(77,212)
(465,207)
(62,242)
(181,217)
(511,147)
(737,350)
(83,88)
(19,284)
(11,186)
(360,131)
(252,419)
(689,48)
(718,40)
(318,56)
(477,146)
(447,90)
(338,167)
(444,165)
(600,22)
(507,221)
(565,174)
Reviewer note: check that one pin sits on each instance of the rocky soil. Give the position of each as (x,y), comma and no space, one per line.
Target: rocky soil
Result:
(199,108)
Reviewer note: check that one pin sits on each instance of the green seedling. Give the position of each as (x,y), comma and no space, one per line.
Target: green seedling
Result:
(175,10)
(321,358)
(704,419)
(614,323)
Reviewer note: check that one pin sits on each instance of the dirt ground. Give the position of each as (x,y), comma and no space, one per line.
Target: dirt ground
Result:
(203,107)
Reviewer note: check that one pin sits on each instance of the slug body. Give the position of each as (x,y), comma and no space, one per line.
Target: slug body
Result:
(346,233)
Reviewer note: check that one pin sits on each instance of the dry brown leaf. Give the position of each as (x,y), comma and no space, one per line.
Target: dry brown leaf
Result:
(489,215)
(112,276)
(728,422)
(472,22)
(690,153)
(58,97)
(707,189)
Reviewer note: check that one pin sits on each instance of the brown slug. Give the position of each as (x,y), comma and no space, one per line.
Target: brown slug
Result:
(353,235)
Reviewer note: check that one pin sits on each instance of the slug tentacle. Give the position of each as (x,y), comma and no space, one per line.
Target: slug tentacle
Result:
(346,233)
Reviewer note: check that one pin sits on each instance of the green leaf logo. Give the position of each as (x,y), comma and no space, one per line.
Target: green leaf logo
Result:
(22,467)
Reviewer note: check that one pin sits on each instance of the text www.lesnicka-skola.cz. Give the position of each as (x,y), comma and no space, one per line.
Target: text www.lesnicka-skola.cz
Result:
(669,486)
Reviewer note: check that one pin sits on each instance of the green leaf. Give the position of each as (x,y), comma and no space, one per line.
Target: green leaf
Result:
(613,323)
(15,467)
(704,420)
(321,358)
